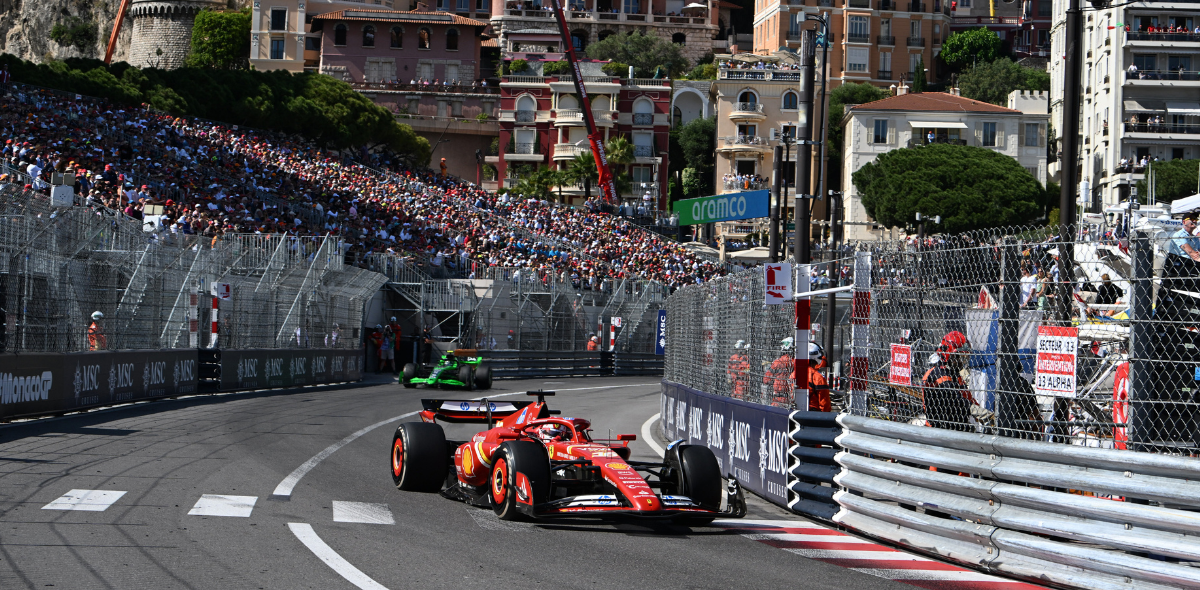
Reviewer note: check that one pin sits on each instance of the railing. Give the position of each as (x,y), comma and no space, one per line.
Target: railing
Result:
(860,3)
(747,107)
(884,75)
(1185,128)
(858,38)
(986,20)
(916,7)
(524,148)
(456,88)
(646,82)
(887,5)
(524,79)
(743,75)
(569,150)
(602,116)
(1156,36)
(794,35)
(643,151)
(1184,75)
(743,140)
(563,115)
(744,185)
(925,141)
(526,116)
(643,118)
(886,40)
(916,41)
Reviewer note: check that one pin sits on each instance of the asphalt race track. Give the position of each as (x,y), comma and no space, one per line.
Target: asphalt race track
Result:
(179,494)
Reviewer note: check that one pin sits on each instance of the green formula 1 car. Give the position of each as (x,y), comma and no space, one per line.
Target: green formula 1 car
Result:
(459,368)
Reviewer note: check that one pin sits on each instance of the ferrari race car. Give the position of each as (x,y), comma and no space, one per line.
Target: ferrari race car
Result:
(459,368)
(534,464)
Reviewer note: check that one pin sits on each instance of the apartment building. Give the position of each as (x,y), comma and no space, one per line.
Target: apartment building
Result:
(910,120)
(876,41)
(542,124)
(390,46)
(1141,93)
(527,29)
(1023,27)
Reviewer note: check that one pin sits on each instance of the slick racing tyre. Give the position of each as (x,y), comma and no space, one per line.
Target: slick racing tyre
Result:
(466,375)
(697,475)
(419,460)
(483,377)
(527,458)
(407,375)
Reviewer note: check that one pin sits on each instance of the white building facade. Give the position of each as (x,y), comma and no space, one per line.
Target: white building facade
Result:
(910,120)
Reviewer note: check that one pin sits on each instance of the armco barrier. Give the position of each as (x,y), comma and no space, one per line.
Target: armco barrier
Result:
(522,364)
(272,368)
(50,383)
(749,440)
(812,463)
(637,363)
(1017,507)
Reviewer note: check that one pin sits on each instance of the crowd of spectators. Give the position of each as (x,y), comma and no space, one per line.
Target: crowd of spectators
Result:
(213,179)
(759,65)
(736,182)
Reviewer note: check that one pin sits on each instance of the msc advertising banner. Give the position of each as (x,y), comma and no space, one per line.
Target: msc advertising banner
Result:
(268,369)
(48,383)
(728,207)
(750,441)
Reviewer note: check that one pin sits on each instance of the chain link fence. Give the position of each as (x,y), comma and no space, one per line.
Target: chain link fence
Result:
(1011,331)
(58,265)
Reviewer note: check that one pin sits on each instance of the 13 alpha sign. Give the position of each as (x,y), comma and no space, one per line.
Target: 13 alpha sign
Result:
(729,207)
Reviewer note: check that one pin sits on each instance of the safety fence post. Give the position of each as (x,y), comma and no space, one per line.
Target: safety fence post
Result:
(860,332)
(1141,340)
(803,326)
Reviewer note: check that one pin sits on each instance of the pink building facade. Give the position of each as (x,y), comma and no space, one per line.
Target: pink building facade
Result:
(386,46)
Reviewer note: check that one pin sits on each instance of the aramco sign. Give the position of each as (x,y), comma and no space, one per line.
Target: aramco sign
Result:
(729,207)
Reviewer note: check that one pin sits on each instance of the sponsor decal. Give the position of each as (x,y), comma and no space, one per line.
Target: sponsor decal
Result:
(25,388)
(695,425)
(468,466)
(617,466)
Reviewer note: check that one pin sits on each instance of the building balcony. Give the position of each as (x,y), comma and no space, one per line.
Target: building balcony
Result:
(1171,38)
(523,152)
(568,151)
(604,118)
(916,41)
(859,3)
(985,20)
(743,143)
(884,75)
(455,88)
(525,116)
(887,5)
(733,186)
(920,142)
(490,185)
(1164,129)
(578,15)
(568,117)
(1159,76)
(643,119)
(885,40)
(747,111)
(646,82)
(916,6)
(858,38)
(643,151)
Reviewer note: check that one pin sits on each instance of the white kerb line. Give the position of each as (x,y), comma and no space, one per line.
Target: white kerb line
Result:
(337,563)
(648,437)
(286,486)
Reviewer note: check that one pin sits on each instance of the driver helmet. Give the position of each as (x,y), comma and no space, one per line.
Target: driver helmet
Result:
(552,432)
(97,315)
(393,319)
(739,344)
(787,343)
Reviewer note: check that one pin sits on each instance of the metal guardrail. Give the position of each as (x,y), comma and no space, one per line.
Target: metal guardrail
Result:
(1057,514)
(521,364)
(634,363)
(812,467)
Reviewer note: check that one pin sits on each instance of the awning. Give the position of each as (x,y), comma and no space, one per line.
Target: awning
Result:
(1144,106)
(1183,108)
(1185,204)
(937,125)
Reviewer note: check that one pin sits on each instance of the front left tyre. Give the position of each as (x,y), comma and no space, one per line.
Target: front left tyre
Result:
(419,461)
(527,458)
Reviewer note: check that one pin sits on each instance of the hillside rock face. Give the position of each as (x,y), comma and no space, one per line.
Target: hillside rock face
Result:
(25,27)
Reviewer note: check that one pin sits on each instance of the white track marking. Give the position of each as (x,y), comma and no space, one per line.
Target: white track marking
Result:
(362,512)
(486,519)
(954,575)
(86,500)
(737,523)
(345,569)
(220,505)
(285,487)
(847,554)
(648,437)
(805,538)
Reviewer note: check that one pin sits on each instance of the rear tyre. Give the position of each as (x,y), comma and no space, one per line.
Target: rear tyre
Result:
(527,458)
(408,374)
(466,376)
(483,377)
(419,460)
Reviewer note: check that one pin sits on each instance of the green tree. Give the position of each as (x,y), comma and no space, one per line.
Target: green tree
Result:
(706,71)
(693,183)
(919,81)
(971,188)
(554,68)
(697,142)
(619,151)
(846,94)
(537,185)
(582,169)
(220,40)
(644,52)
(970,47)
(77,33)
(992,81)
(1172,180)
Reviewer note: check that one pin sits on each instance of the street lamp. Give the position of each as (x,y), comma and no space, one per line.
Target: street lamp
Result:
(921,219)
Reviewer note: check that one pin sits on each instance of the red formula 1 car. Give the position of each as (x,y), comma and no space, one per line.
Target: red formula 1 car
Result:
(535,464)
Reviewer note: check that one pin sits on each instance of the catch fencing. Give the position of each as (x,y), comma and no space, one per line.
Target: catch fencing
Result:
(58,265)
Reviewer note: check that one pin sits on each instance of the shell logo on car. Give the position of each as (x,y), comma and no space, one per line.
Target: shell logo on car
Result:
(467,464)
(617,466)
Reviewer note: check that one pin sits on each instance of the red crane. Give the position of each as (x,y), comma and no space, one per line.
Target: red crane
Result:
(112,40)
(608,189)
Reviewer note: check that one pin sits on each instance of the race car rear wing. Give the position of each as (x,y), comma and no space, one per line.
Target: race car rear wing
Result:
(482,411)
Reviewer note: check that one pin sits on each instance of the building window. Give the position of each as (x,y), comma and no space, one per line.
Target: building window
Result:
(339,34)
(276,48)
(788,131)
(989,135)
(579,39)
(856,59)
(679,39)
(423,36)
(397,38)
(452,39)
(368,36)
(463,6)
(789,100)
(881,131)
(312,43)
(482,6)
(964,3)
(279,19)
(748,97)
(1031,135)
(859,27)
(1145,63)
(1179,63)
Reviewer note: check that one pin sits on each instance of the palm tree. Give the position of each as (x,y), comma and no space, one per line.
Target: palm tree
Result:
(620,153)
(538,184)
(582,168)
